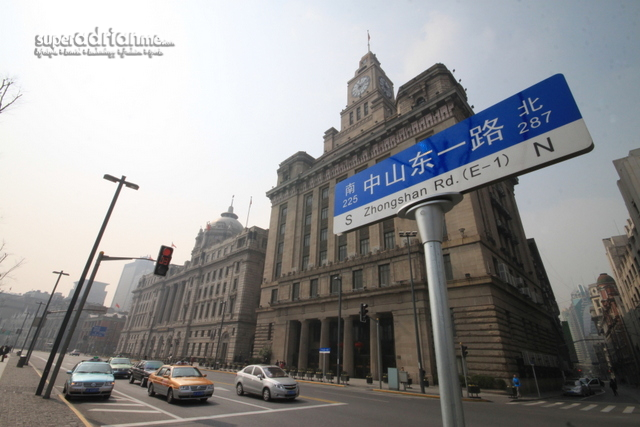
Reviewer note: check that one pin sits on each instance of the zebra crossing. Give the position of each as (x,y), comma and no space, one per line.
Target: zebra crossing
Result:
(625,409)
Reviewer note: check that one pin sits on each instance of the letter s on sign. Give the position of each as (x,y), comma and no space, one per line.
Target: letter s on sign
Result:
(349,220)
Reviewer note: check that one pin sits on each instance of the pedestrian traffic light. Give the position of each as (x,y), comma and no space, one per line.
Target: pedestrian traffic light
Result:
(463,350)
(363,313)
(164,259)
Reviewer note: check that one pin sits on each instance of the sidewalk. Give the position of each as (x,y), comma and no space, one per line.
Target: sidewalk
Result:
(19,405)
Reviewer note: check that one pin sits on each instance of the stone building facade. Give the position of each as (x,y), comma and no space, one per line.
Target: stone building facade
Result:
(206,309)
(502,309)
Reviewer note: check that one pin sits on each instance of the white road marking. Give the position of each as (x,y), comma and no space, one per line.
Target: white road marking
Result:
(230,415)
(628,409)
(588,408)
(573,405)
(540,402)
(608,408)
(553,404)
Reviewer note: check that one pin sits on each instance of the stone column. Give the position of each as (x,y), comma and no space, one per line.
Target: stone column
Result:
(373,346)
(303,352)
(348,345)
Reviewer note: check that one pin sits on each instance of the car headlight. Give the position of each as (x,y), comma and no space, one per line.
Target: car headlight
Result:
(281,386)
(75,383)
(184,387)
(210,387)
(110,383)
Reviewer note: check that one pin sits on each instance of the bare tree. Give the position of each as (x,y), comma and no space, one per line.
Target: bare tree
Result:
(6,91)
(4,270)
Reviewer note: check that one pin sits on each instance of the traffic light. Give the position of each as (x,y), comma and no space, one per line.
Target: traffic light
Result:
(463,350)
(363,313)
(164,259)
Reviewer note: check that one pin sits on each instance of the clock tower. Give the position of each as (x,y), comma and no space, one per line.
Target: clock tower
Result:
(370,98)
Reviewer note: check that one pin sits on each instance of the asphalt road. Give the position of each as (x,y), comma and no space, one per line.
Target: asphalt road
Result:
(321,405)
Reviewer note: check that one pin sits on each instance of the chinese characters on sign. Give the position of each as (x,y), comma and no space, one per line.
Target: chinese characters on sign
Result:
(536,127)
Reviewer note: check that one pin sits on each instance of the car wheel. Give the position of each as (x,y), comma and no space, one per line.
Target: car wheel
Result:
(66,394)
(239,389)
(150,390)
(266,394)
(143,382)
(170,398)
(131,379)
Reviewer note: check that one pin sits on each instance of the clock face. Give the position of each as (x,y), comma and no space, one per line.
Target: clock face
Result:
(386,87)
(360,86)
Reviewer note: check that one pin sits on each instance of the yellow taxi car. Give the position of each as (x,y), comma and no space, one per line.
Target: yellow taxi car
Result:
(180,382)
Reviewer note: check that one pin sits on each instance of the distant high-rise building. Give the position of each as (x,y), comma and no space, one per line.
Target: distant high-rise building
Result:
(131,274)
(583,330)
(97,294)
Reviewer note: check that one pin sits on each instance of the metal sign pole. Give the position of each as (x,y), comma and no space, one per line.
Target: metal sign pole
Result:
(429,216)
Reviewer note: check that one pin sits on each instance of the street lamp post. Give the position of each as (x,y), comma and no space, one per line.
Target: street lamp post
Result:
(409,234)
(339,279)
(63,327)
(44,315)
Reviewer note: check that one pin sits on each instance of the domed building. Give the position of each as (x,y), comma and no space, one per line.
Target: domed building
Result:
(204,310)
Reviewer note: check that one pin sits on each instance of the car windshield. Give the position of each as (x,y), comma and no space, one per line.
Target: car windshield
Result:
(571,382)
(93,368)
(273,372)
(121,361)
(186,372)
(153,365)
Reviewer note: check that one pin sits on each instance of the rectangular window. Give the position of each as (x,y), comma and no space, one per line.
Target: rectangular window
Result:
(305,262)
(221,309)
(448,270)
(335,284)
(280,247)
(324,213)
(313,288)
(351,117)
(357,279)
(307,219)
(358,115)
(278,271)
(323,257)
(384,275)
(309,200)
(295,292)
(342,252)
(325,193)
(366,108)
(364,246)
(307,240)
(282,228)
(274,296)
(389,239)
(324,233)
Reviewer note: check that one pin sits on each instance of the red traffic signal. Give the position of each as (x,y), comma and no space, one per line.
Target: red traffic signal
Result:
(164,259)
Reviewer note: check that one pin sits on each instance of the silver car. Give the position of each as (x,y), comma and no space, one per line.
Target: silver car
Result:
(269,381)
(575,387)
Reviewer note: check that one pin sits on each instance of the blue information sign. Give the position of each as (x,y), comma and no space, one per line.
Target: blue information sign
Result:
(537,127)
(98,331)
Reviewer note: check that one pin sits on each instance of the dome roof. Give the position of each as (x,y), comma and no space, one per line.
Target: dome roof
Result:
(605,279)
(227,224)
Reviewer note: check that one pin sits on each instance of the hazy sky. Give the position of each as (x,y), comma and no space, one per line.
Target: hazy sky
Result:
(249,83)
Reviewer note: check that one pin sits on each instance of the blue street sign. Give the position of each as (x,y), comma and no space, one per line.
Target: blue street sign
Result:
(325,350)
(98,331)
(534,128)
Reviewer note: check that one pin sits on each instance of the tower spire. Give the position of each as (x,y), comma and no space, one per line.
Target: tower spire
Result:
(368,41)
